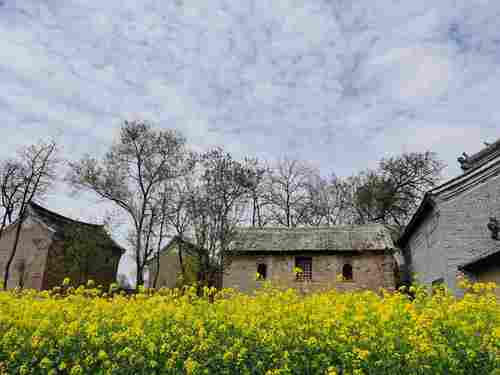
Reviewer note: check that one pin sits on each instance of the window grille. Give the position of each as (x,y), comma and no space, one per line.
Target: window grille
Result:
(304,264)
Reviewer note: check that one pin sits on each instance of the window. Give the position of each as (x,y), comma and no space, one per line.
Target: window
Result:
(347,272)
(304,266)
(262,271)
(419,241)
(432,235)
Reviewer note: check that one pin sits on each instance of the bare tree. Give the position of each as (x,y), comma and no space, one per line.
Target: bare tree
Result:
(287,189)
(35,175)
(257,192)
(11,183)
(131,175)
(20,267)
(327,201)
(176,219)
(216,207)
(391,194)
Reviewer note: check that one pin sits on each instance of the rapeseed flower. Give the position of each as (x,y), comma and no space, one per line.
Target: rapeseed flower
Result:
(82,330)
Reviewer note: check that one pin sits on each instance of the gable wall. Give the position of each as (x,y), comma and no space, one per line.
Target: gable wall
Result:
(34,242)
(463,228)
(370,271)
(170,275)
(170,269)
(427,258)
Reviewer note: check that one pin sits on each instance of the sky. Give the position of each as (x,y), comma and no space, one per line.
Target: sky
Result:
(339,83)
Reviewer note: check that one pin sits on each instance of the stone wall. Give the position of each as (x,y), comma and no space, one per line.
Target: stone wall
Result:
(32,249)
(370,271)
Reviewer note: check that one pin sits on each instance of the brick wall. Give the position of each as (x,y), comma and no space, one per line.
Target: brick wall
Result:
(370,271)
(460,235)
(428,260)
(102,268)
(463,226)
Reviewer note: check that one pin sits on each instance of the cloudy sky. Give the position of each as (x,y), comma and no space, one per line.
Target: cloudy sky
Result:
(341,83)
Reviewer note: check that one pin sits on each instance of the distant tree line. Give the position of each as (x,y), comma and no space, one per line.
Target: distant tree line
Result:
(167,190)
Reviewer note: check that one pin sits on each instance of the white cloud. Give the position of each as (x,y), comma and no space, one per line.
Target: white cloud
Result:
(341,82)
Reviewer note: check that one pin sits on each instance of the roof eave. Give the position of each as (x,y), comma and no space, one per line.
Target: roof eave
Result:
(478,261)
(306,251)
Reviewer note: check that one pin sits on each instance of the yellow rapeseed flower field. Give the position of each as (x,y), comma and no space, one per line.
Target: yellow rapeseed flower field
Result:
(86,331)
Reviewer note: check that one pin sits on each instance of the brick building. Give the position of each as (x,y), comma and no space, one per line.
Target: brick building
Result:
(41,261)
(455,224)
(342,257)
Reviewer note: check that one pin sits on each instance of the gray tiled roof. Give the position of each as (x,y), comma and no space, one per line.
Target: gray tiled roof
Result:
(335,238)
(60,224)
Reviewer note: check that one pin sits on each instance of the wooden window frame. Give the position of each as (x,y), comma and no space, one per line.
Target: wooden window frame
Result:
(305,264)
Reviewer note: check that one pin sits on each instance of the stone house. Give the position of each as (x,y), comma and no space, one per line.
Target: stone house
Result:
(341,257)
(456,223)
(42,258)
(170,264)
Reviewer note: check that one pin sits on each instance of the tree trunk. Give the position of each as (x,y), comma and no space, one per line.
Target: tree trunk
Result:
(254,211)
(181,263)
(139,277)
(13,251)
(4,224)
(157,273)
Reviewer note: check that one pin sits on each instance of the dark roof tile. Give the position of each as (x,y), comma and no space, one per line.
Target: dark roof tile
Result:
(334,238)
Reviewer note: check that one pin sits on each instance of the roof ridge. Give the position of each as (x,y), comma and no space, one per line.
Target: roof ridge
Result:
(38,207)
(470,162)
(324,227)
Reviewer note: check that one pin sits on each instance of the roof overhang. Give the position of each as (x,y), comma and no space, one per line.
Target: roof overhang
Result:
(307,252)
(483,260)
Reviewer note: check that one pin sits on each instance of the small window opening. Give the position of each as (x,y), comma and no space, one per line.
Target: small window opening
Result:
(304,268)
(261,271)
(347,272)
